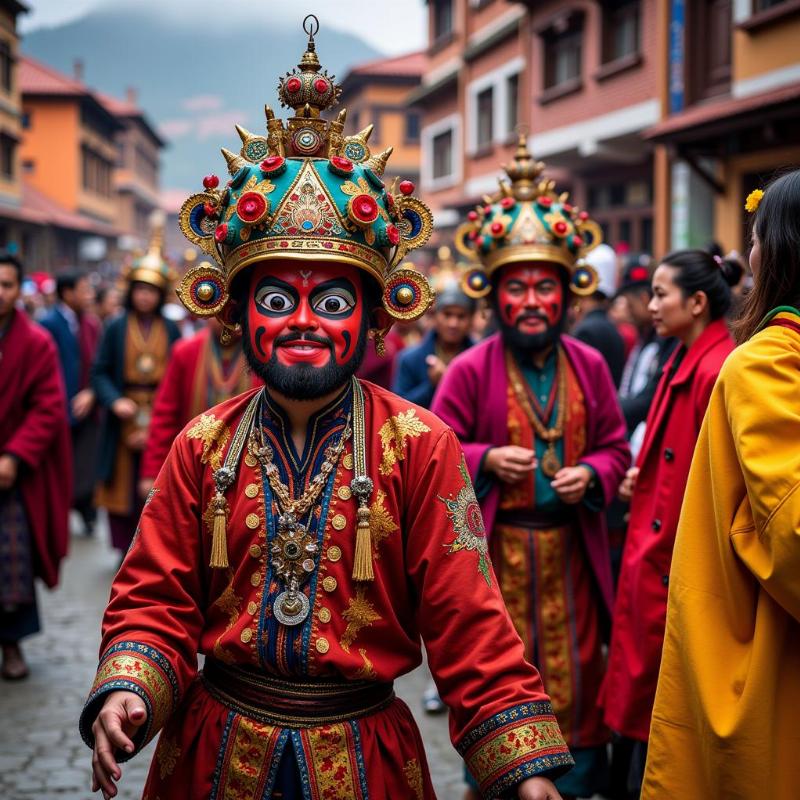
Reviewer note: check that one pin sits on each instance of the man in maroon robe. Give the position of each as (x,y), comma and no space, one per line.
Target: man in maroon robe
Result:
(537,415)
(35,468)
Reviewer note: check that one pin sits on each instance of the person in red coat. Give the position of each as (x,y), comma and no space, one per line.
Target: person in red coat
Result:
(35,468)
(691,296)
(201,373)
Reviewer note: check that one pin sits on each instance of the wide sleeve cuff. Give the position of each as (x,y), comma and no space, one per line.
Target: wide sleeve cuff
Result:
(139,668)
(520,743)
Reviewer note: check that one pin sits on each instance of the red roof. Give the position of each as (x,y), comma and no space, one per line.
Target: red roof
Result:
(40,209)
(119,108)
(410,65)
(36,78)
(712,117)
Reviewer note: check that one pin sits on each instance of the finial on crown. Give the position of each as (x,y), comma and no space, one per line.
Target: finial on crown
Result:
(522,172)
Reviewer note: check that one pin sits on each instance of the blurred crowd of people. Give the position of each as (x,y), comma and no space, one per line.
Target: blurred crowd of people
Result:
(118,370)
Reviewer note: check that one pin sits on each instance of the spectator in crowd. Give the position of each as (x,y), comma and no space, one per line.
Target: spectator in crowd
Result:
(725,716)
(203,370)
(107,303)
(35,469)
(76,332)
(420,368)
(591,313)
(646,361)
(131,361)
(691,297)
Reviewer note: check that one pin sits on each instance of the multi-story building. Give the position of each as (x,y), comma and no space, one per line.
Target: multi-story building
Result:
(577,77)
(658,115)
(136,170)
(376,93)
(730,86)
(67,153)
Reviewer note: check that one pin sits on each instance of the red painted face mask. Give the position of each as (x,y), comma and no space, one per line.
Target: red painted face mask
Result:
(531,297)
(304,315)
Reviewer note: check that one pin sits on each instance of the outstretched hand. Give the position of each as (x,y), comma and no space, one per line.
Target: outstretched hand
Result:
(122,714)
(538,789)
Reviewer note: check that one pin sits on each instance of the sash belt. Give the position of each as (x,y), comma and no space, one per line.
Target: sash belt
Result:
(538,520)
(293,704)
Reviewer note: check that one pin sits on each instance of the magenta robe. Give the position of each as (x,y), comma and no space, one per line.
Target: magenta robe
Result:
(34,428)
(472,399)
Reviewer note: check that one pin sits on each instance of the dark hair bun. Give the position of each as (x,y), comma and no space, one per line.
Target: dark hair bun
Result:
(732,270)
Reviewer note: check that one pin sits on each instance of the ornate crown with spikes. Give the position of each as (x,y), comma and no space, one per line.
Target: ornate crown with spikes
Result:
(527,221)
(152,267)
(306,191)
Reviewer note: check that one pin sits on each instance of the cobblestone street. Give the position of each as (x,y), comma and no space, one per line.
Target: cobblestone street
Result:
(41,753)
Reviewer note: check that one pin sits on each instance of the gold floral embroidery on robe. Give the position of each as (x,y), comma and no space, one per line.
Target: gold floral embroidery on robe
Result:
(167,755)
(465,514)
(413,773)
(360,613)
(229,603)
(214,434)
(394,433)
(367,672)
(381,522)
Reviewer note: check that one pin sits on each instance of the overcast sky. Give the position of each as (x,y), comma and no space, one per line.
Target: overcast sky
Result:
(393,26)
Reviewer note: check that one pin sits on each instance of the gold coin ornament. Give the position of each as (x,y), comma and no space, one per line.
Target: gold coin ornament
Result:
(198,217)
(407,295)
(584,279)
(202,290)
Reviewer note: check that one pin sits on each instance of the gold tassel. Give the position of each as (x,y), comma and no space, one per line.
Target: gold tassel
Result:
(219,545)
(362,562)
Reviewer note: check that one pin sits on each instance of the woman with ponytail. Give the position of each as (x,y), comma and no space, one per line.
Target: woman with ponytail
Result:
(725,718)
(691,297)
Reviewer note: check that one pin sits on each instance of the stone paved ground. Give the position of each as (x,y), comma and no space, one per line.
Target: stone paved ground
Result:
(41,754)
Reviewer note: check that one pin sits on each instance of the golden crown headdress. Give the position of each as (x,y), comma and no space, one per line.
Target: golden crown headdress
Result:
(305,190)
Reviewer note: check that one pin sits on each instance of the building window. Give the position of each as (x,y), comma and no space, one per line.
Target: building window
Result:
(765,5)
(443,155)
(95,173)
(7,149)
(563,45)
(25,120)
(485,103)
(28,166)
(620,29)
(512,103)
(6,67)
(412,127)
(442,19)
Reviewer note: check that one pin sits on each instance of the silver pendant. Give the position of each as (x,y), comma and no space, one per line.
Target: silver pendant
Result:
(291,608)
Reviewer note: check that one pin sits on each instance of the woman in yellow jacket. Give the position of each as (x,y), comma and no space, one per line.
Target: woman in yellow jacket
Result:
(726,722)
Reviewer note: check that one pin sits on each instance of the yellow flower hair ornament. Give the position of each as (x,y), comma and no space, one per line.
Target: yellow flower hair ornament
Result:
(753,199)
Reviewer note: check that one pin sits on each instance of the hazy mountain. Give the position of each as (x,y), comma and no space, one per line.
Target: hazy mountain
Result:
(194,80)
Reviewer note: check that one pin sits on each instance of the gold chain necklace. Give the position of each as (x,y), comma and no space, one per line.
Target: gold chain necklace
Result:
(550,463)
(294,548)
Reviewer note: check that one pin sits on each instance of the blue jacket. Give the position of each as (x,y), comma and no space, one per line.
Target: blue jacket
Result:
(69,351)
(411,373)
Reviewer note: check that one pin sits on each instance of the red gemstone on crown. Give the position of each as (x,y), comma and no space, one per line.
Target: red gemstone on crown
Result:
(293,85)
(567,207)
(271,163)
(221,233)
(583,216)
(508,202)
(251,207)
(487,210)
(472,216)
(393,233)
(577,241)
(210,181)
(407,187)
(544,201)
(560,227)
(210,211)
(497,228)
(365,208)
(480,241)
(342,163)
(321,85)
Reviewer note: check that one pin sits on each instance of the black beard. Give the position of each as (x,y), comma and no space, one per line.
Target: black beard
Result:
(530,342)
(302,381)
